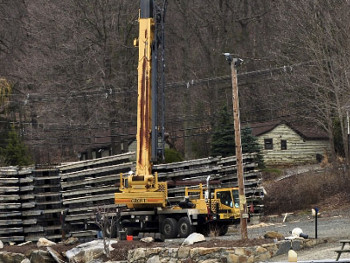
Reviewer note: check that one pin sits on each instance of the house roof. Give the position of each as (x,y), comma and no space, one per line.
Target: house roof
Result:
(311,132)
(104,137)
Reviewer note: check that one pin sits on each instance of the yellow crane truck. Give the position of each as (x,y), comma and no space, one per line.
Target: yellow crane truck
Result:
(146,199)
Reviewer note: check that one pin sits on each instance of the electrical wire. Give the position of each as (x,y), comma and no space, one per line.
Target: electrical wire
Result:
(133,90)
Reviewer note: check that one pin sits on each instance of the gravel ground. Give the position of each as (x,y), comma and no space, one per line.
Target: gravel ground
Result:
(324,252)
(329,227)
(334,227)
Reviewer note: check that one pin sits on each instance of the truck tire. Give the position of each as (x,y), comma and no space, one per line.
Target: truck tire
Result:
(223,230)
(111,231)
(184,227)
(169,228)
(204,230)
(127,226)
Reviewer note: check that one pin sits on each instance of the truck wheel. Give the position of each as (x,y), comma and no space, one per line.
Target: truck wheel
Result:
(223,230)
(204,230)
(169,228)
(111,230)
(127,226)
(184,227)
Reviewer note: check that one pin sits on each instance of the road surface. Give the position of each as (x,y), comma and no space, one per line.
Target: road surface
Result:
(331,227)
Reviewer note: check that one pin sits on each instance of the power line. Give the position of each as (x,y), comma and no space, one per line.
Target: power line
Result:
(57,126)
(244,75)
(187,84)
(177,84)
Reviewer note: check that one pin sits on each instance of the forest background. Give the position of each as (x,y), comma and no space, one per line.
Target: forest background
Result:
(68,71)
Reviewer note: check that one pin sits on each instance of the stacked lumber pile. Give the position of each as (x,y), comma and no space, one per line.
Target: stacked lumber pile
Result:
(187,173)
(252,180)
(88,186)
(63,200)
(222,171)
(16,201)
(48,205)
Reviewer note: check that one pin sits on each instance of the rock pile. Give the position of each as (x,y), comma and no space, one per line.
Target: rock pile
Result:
(44,253)
(94,252)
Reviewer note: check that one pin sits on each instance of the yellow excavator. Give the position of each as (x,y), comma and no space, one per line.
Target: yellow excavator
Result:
(148,211)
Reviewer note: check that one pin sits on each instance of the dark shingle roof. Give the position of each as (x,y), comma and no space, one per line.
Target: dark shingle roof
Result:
(311,132)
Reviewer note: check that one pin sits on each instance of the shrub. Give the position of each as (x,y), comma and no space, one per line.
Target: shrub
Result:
(171,155)
(301,192)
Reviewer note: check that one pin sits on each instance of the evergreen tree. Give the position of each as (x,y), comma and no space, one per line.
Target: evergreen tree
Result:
(250,145)
(15,152)
(223,141)
(171,155)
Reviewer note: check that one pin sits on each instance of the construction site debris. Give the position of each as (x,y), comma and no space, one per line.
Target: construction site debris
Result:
(43,242)
(147,239)
(273,235)
(89,251)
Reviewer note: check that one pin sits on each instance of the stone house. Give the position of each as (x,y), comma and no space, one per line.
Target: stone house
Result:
(286,143)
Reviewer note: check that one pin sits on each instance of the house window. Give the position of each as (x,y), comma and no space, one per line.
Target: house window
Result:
(268,144)
(283,144)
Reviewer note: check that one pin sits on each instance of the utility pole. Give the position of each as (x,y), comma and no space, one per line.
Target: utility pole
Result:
(234,63)
(348,140)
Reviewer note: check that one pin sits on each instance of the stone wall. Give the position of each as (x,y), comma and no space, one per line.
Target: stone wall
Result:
(186,254)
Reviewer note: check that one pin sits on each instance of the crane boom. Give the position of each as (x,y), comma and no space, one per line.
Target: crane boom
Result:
(143,189)
(144,106)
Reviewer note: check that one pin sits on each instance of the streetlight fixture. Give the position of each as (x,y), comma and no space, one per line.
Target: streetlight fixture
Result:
(234,63)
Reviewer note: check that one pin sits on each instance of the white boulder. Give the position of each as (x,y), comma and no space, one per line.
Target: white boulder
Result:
(89,251)
(43,242)
(193,238)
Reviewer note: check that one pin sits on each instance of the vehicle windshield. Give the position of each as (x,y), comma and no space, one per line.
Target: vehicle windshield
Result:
(235,195)
(225,198)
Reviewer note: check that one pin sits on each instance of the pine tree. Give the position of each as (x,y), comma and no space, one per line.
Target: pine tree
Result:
(223,141)
(171,155)
(15,152)
(250,145)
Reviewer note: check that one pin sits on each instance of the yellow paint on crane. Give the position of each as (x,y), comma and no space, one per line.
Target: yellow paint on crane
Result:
(144,122)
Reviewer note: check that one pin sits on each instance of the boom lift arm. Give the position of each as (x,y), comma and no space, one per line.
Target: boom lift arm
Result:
(143,189)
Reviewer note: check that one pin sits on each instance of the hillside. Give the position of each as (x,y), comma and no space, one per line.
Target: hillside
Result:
(306,187)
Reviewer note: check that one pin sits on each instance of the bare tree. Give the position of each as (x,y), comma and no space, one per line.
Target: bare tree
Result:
(316,33)
(199,32)
(77,70)
(74,67)
(106,220)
